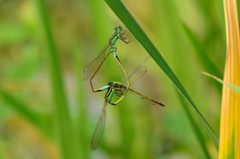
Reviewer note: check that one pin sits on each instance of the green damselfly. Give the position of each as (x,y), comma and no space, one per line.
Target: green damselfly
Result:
(120,90)
(91,70)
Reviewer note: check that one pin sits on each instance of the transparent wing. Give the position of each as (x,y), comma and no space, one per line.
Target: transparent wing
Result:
(95,64)
(98,132)
(136,75)
(138,72)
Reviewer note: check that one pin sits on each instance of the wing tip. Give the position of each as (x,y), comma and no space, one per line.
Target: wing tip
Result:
(92,146)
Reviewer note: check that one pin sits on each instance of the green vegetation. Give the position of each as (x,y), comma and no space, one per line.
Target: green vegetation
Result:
(48,111)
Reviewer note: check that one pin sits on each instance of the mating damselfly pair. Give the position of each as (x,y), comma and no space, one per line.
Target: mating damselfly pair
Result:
(113,88)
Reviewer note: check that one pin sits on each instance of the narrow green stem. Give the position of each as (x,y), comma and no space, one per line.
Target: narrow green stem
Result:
(62,117)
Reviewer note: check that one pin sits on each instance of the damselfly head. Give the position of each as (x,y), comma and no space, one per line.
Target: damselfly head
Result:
(118,29)
(110,83)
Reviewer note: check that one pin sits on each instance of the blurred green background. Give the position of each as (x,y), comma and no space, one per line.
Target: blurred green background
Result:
(134,128)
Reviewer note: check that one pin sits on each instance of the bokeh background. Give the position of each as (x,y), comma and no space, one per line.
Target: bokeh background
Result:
(135,128)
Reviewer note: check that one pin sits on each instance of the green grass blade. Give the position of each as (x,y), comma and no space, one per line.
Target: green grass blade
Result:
(200,137)
(82,122)
(233,87)
(202,55)
(62,116)
(38,120)
(123,14)
(19,107)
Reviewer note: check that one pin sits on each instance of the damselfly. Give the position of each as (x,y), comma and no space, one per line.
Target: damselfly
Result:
(120,90)
(91,70)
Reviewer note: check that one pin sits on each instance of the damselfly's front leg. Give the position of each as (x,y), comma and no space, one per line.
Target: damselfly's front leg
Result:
(124,39)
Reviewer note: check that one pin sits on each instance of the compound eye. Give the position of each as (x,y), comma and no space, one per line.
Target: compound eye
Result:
(110,83)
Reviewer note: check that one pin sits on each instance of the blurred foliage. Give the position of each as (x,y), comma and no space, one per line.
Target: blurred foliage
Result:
(134,128)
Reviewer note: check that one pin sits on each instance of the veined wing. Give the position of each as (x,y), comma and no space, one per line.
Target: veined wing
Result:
(98,132)
(138,72)
(95,64)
